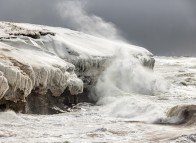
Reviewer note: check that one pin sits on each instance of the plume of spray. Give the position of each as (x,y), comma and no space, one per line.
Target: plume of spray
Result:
(126,75)
(122,86)
(74,14)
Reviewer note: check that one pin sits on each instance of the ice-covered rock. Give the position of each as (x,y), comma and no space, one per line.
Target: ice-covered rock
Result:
(88,53)
(41,58)
(3,85)
(23,71)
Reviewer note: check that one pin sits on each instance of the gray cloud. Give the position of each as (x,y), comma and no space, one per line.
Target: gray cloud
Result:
(30,11)
(165,27)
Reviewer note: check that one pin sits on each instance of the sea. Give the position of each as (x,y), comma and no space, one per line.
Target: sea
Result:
(156,106)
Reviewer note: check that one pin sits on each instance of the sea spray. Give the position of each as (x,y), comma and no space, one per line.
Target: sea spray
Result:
(124,88)
(126,76)
(123,85)
(73,13)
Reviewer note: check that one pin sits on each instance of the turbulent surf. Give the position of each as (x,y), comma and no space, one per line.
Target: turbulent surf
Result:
(123,94)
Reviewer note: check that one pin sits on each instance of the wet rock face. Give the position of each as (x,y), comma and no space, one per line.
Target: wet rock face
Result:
(49,104)
(45,104)
(10,105)
(42,104)
(149,63)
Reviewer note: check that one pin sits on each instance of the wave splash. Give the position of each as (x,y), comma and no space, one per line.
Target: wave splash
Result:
(180,115)
(124,87)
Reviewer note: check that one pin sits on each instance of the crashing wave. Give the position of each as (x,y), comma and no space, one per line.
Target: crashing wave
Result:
(180,115)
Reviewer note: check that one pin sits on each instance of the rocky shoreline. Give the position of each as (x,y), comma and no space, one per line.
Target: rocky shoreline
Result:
(41,67)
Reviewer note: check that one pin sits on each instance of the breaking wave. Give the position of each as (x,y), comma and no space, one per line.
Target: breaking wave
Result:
(180,115)
(125,86)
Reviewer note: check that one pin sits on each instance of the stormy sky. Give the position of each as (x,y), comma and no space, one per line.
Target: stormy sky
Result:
(165,27)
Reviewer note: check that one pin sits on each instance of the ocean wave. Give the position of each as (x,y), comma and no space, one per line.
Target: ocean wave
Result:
(180,115)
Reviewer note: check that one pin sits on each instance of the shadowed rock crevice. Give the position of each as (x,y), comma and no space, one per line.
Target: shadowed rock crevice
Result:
(45,104)
(48,104)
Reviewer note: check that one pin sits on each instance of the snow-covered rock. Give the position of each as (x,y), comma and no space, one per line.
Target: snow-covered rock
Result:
(42,58)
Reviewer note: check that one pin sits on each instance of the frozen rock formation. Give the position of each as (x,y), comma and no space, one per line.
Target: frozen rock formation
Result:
(3,85)
(35,59)
(26,70)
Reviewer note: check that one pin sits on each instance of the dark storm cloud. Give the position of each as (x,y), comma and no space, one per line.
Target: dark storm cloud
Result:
(165,27)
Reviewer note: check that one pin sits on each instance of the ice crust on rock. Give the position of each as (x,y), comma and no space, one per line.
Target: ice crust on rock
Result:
(35,57)
(24,70)
(3,85)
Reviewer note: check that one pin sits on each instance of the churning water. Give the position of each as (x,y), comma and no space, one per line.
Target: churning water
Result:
(143,106)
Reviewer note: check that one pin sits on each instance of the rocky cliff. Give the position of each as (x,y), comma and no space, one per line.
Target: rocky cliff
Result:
(41,66)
